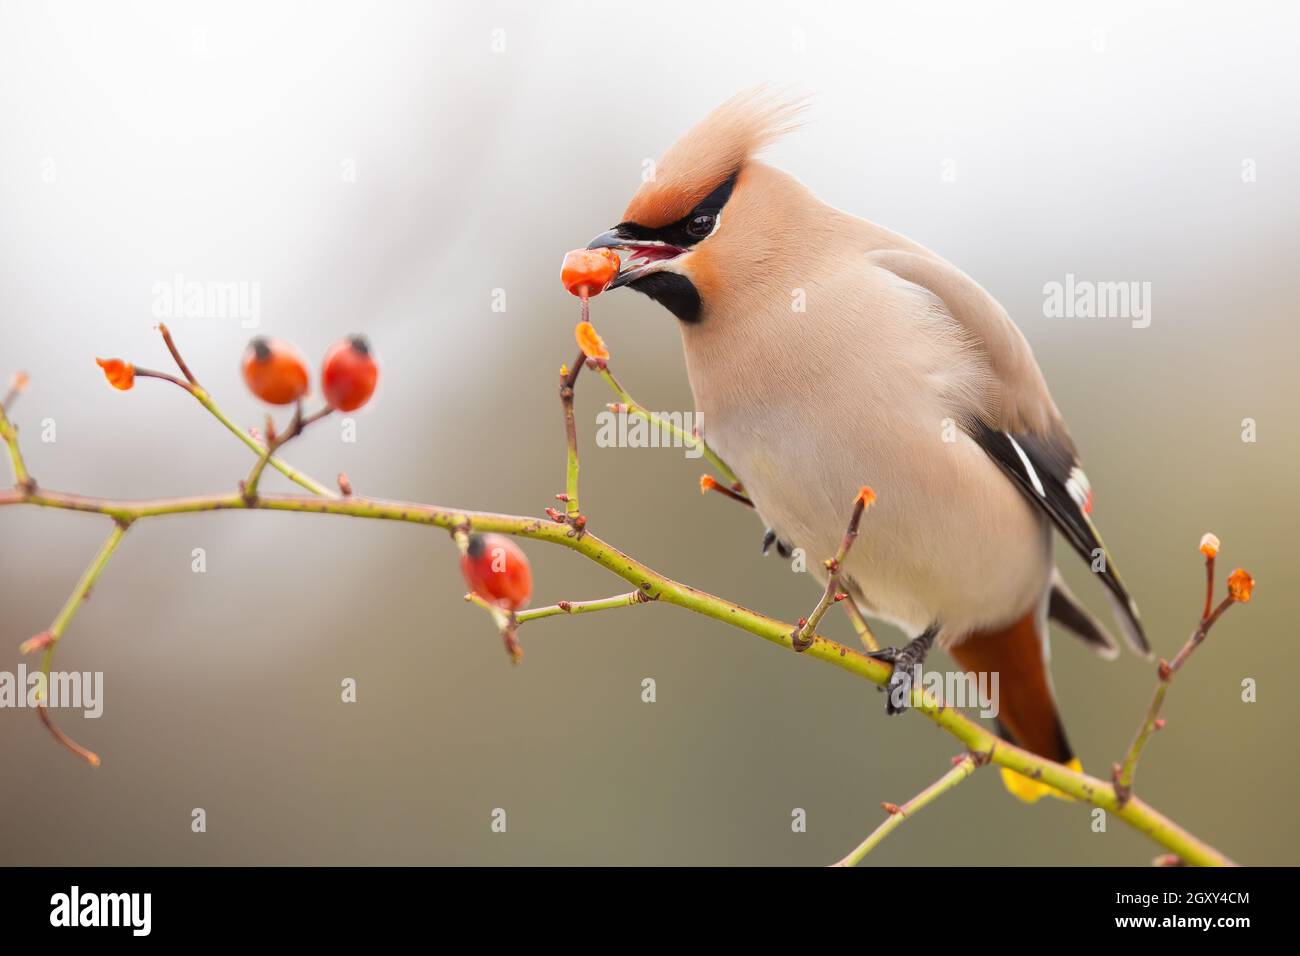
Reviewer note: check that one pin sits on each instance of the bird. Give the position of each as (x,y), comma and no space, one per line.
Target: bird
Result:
(825,352)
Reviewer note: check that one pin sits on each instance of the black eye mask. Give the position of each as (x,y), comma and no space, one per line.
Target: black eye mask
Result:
(696,226)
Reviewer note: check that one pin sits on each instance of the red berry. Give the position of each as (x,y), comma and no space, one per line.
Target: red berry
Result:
(586,272)
(497,571)
(348,374)
(275,371)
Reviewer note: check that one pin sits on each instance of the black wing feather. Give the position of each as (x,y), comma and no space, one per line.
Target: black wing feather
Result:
(1042,470)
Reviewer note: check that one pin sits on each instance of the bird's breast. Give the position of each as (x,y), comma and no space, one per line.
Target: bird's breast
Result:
(806,418)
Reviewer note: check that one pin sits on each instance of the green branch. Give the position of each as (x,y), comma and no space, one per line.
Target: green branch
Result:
(690,441)
(9,434)
(962,768)
(49,639)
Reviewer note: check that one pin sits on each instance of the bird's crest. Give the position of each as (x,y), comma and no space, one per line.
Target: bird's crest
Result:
(711,151)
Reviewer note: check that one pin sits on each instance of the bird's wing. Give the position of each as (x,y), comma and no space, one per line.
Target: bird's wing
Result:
(1017,423)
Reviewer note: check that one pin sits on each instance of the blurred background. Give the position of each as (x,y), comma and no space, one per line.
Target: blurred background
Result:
(394,169)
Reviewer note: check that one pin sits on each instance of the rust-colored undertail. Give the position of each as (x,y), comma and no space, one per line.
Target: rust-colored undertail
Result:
(1026,708)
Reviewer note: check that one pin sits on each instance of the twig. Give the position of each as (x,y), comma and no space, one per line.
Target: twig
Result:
(176,354)
(860,625)
(273,444)
(962,768)
(507,624)
(203,398)
(568,379)
(166,377)
(49,639)
(631,599)
(17,384)
(633,407)
(801,639)
(709,483)
(293,474)
(9,433)
(1123,774)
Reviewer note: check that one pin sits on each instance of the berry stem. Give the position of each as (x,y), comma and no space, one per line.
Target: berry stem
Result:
(568,381)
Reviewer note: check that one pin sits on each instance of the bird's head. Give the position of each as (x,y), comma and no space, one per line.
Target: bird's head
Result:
(703,221)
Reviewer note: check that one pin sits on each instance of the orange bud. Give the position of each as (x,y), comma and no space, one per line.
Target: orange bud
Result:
(1209,545)
(1239,585)
(18,383)
(891,808)
(586,272)
(592,345)
(38,643)
(707,483)
(120,375)
(866,496)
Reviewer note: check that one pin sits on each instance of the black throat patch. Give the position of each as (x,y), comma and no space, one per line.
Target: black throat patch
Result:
(674,292)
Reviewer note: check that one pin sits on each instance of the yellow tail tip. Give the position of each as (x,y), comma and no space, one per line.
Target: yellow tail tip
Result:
(1031,791)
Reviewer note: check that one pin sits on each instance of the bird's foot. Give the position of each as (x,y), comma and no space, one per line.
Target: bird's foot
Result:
(905,659)
(770,538)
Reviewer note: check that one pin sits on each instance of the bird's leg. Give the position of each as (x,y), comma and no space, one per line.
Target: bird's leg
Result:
(904,659)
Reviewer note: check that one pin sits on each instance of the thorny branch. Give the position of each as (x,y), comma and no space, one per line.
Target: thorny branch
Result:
(650,586)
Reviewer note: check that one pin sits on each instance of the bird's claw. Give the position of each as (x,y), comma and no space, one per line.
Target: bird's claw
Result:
(770,538)
(898,692)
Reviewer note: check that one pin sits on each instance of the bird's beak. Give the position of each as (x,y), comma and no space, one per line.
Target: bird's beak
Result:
(644,255)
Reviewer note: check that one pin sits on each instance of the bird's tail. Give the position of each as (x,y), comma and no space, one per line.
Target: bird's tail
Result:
(1027,713)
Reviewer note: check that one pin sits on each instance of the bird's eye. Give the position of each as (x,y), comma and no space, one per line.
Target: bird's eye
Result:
(700,227)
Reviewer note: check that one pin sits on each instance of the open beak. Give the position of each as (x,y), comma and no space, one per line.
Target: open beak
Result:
(644,256)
